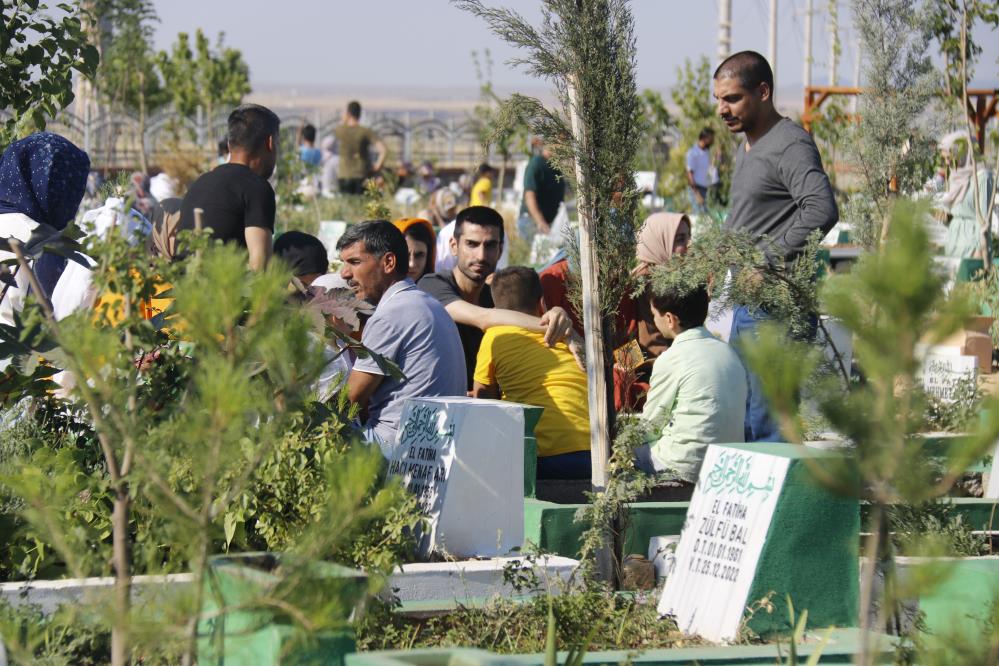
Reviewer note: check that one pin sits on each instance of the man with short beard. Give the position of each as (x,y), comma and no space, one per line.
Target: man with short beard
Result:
(780,193)
(464,293)
(408,328)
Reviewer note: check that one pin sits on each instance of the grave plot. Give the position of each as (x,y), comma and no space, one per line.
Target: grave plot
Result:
(759,527)
(464,461)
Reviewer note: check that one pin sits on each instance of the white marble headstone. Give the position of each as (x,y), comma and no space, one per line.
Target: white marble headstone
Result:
(724,533)
(464,460)
(941,373)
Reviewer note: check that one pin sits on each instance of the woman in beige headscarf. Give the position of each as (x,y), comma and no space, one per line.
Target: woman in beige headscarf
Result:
(662,236)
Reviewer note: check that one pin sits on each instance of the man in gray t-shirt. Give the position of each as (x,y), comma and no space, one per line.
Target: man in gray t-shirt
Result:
(409,328)
(780,193)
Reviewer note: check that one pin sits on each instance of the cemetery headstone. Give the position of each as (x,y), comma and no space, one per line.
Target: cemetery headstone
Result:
(759,527)
(329,233)
(942,373)
(464,461)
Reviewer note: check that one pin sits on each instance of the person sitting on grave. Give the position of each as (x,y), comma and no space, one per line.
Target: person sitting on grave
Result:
(697,392)
(662,237)
(477,245)
(409,328)
(304,254)
(515,363)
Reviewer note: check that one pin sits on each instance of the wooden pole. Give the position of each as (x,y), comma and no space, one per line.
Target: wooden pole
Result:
(597,395)
(806,76)
(773,45)
(724,30)
(592,321)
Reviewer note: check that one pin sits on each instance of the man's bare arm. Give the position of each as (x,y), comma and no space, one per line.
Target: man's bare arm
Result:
(361,386)
(483,391)
(259,243)
(555,323)
(382,151)
(534,209)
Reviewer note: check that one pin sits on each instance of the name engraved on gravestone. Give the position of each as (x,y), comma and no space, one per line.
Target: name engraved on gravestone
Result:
(942,374)
(722,538)
(424,454)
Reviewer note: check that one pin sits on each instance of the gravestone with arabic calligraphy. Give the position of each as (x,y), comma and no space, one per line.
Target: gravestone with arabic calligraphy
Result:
(759,525)
(464,461)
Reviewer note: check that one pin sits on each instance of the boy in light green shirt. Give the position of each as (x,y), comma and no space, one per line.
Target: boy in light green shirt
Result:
(697,392)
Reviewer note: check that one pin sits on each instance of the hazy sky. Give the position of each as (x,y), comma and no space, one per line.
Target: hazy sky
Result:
(413,43)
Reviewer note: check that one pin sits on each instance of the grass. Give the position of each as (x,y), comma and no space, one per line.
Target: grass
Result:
(617,622)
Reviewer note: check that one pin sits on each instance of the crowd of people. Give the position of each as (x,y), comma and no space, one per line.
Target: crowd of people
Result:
(442,303)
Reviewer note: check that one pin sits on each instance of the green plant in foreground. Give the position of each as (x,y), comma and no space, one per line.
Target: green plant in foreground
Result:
(890,301)
(186,418)
(798,624)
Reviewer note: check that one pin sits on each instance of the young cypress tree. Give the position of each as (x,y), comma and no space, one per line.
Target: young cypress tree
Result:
(889,147)
(586,50)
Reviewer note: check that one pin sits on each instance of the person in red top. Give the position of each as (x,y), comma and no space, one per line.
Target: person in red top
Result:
(662,235)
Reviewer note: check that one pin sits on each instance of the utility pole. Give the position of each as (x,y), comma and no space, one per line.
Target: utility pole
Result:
(773,44)
(806,76)
(856,74)
(724,29)
(833,41)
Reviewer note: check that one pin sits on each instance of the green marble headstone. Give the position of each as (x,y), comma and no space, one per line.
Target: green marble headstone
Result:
(760,526)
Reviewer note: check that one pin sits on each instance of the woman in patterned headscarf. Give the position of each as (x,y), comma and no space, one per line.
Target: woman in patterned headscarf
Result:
(42,181)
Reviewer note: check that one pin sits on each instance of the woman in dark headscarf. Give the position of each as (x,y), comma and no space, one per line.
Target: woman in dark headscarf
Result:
(42,178)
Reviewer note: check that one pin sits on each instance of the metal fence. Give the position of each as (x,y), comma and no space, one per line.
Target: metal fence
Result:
(113,140)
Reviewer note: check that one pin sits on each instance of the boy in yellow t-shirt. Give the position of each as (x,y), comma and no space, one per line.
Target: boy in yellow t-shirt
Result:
(516,363)
(482,190)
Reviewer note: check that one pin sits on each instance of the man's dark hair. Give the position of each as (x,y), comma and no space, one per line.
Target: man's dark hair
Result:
(483,169)
(354,110)
(304,253)
(250,125)
(705,133)
(516,288)
(380,238)
(309,133)
(690,308)
(749,67)
(223,147)
(483,216)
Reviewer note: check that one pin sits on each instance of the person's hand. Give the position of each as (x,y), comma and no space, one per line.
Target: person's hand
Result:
(147,360)
(543,226)
(557,324)
(699,197)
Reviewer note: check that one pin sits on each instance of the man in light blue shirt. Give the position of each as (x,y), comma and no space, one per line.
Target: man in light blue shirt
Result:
(408,327)
(697,392)
(699,170)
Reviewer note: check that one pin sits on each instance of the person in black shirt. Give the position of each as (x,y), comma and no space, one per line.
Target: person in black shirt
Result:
(477,245)
(237,200)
